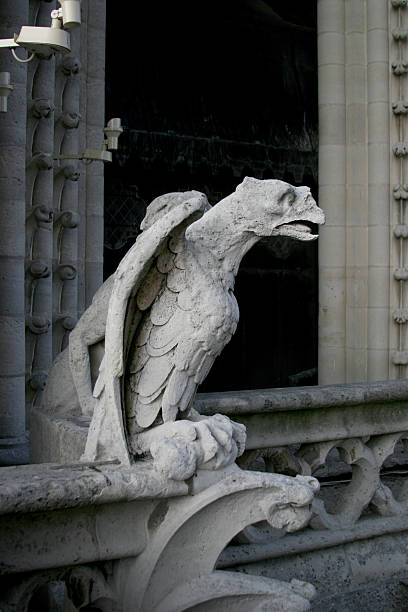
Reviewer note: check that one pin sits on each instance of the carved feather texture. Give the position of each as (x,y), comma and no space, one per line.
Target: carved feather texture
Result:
(177,340)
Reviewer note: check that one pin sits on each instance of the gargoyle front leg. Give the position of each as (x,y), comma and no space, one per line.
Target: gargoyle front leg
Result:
(180,448)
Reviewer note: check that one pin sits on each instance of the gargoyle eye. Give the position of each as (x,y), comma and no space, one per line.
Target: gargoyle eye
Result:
(288,197)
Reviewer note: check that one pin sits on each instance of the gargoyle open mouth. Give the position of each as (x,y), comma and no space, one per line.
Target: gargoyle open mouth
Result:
(301,230)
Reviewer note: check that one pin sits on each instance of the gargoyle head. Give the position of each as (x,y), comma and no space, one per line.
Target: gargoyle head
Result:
(275,208)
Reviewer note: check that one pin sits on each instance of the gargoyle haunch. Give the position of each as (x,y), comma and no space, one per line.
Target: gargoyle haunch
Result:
(156,326)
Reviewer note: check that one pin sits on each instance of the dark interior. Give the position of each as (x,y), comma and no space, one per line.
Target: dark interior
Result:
(210,92)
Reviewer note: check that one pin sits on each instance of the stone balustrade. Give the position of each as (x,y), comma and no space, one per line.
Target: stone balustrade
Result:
(62,521)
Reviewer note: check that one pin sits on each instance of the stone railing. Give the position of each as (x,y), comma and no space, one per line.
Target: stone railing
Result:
(353,439)
(70,525)
(113,538)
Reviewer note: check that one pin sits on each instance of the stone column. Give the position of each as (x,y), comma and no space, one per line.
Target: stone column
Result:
(379,270)
(332,190)
(93,110)
(355,343)
(13,447)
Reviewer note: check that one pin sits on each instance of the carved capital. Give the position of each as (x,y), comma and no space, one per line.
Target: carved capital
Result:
(400,316)
(43,215)
(400,33)
(400,358)
(399,3)
(42,108)
(400,149)
(70,65)
(70,120)
(401,274)
(401,231)
(66,272)
(38,324)
(400,107)
(39,269)
(399,67)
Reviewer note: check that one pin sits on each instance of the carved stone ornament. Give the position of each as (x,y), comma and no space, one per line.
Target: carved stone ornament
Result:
(43,215)
(399,33)
(400,316)
(69,219)
(42,161)
(400,358)
(42,108)
(39,269)
(399,3)
(400,192)
(399,67)
(400,149)
(164,317)
(400,107)
(70,120)
(70,65)
(401,231)
(71,172)
(401,274)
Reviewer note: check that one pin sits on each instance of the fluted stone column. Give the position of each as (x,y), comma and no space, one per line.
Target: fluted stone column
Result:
(332,189)
(356,304)
(13,14)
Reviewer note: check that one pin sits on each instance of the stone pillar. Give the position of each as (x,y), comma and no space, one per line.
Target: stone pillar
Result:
(332,190)
(93,110)
(379,264)
(355,337)
(13,447)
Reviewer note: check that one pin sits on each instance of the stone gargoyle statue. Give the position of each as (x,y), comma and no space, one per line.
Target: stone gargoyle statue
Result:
(155,327)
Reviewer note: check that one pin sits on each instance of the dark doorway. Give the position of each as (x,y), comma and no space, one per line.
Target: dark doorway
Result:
(211,92)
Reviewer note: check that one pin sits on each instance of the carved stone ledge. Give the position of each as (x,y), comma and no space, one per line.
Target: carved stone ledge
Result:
(399,67)
(401,231)
(43,215)
(400,358)
(400,149)
(400,316)
(400,33)
(401,274)
(38,381)
(400,107)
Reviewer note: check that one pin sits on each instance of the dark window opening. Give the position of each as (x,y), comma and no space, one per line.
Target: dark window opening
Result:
(211,92)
